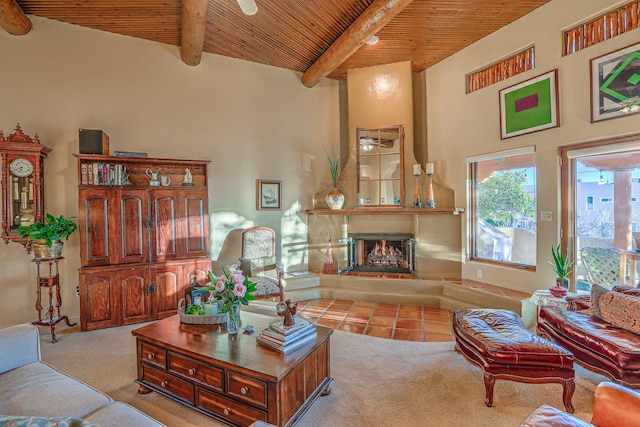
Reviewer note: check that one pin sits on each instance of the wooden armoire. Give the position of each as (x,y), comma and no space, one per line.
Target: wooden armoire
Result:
(142,240)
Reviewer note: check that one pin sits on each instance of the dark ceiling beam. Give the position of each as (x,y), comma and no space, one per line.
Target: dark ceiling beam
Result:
(377,15)
(13,19)
(194,22)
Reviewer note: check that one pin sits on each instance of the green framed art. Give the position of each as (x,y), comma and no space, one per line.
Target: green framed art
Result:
(530,106)
(615,84)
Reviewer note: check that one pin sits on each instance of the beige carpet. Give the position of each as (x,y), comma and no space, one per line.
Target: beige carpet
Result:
(377,382)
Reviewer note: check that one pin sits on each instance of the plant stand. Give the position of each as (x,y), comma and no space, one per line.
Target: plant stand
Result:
(52,281)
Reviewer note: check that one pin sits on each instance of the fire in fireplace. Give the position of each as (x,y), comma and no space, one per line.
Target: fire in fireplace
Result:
(381,252)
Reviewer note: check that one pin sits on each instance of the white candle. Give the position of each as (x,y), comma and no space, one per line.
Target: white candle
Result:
(416,170)
(428,168)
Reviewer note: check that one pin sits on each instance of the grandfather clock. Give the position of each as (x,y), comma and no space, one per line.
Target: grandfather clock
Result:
(22,183)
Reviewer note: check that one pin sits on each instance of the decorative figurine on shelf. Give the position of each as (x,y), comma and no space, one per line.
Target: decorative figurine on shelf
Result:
(429,170)
(287,310)
(417,172)
(153,175)
(188,178)
(125,177)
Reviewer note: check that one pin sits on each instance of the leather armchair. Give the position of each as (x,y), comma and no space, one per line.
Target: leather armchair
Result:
(614,406)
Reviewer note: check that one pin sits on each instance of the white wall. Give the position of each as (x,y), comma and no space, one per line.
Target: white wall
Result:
(252,121)
(461,125)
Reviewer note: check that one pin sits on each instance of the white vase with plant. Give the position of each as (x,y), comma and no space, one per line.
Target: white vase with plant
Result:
(561,264)
(335,198)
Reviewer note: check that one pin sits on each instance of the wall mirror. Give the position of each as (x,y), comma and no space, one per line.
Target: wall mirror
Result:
(380,166)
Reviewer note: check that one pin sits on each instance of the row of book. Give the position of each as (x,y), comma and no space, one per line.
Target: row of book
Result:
(288,338)
(103,174)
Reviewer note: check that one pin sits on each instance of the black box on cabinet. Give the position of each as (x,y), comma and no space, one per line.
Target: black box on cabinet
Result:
(93,141)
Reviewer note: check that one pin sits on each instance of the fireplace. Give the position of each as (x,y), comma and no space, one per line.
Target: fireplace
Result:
(388,253)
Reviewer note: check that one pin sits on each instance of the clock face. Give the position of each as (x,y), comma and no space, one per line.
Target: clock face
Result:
(21,167)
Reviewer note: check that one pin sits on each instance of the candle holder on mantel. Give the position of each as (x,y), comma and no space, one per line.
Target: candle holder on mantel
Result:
(417,172)
(429,169)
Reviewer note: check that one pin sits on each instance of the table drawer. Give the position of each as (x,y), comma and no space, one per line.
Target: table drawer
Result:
(154,355)
(229,409)
(247,389)
(210,376)
(179,388)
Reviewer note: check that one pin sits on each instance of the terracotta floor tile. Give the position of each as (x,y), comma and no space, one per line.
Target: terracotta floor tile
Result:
(379,331)
(352,327)
(382,321)
(361,310)
(440,317)
(329,323)
(403,314)
(386,312)
(357,318)
(409,324)
(393,321)
(406,335)
(384,305)
(438,327)
(430,337)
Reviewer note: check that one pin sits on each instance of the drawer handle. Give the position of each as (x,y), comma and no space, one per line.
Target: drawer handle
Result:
(150,356)
(244,390)
(227,411)
(192,371)
(164,384)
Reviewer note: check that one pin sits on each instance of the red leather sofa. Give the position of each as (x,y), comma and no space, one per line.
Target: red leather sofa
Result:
(595,344)
(613,406)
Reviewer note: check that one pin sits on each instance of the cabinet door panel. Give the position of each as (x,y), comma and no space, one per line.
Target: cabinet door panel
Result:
(97,217)
(198,270)
(196,223)
(166,214)
(135,236)
(168,287)
(135,302)
(98,291)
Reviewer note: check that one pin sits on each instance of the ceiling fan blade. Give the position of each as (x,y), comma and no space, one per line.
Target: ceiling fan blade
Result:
(249,7)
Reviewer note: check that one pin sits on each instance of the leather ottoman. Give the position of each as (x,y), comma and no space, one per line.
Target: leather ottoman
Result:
(498,342)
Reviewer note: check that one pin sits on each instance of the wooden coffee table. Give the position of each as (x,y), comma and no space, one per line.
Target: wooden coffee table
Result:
(232,378)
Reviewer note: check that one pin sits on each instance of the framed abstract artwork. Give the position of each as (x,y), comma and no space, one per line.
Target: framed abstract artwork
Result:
(615,84)
(529,106)
(268,195)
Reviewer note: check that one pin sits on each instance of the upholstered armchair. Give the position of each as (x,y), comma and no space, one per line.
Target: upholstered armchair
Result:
(258,262)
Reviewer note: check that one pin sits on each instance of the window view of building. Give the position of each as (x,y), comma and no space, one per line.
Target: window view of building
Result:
(503,208)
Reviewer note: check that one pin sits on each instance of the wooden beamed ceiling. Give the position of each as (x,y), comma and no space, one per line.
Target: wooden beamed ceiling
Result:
(318,38)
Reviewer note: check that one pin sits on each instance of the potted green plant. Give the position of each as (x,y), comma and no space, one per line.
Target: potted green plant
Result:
(335,198)
(45,238)
(561,264)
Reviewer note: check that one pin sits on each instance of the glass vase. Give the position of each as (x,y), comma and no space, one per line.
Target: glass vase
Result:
(233,318)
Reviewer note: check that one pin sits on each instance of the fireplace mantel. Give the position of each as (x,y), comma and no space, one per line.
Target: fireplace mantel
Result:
(387,211)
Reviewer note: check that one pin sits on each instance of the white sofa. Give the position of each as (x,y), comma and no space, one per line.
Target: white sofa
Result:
(33,393)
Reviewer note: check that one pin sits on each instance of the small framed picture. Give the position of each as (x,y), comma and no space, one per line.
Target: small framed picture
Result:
(268,194)
(529,106)
(615,88)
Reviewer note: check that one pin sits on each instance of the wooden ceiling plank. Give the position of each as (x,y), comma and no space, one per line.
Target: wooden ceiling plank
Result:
(374,18)
(194,22)
(13,19)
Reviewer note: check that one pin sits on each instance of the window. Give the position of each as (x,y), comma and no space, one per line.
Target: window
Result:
(517,63)
(603,27)
(502,206)
(589,206)
(609,170)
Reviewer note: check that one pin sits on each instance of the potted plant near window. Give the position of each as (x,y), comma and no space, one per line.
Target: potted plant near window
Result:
(562,266)
(335,198)
(45,238)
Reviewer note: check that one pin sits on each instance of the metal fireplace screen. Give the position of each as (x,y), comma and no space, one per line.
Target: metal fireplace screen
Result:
(390,253)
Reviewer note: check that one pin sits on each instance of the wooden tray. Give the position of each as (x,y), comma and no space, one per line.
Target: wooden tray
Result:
(199,319)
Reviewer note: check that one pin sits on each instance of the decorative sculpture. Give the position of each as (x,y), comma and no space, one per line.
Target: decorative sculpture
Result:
(287,310)
(188,178)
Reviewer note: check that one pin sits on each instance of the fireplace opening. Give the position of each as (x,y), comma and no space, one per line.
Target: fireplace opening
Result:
(391,253)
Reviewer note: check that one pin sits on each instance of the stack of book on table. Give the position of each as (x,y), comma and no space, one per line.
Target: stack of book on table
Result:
(287,338)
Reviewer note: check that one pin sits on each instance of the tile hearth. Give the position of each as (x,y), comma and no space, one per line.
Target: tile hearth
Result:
(395,321)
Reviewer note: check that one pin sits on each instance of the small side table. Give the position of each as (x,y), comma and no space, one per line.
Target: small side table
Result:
(543,297)
(51,281)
